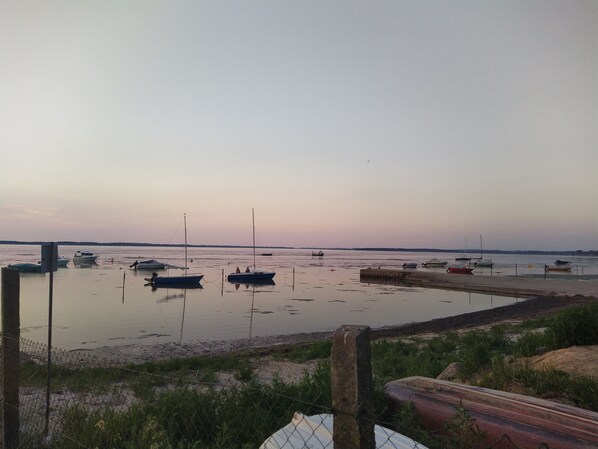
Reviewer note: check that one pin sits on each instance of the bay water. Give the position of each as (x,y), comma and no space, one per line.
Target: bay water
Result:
(109,304)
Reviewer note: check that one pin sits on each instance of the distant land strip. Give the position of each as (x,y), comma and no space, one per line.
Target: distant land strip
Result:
(419,250)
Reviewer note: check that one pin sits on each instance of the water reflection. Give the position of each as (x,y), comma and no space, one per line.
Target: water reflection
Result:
(308,296)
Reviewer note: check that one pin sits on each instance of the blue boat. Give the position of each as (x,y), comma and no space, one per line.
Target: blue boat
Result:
(190,281)
(26,267)
(252,277)
(184,281)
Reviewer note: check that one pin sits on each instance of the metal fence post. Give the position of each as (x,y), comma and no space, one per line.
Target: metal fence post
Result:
(10,357)
(352,389)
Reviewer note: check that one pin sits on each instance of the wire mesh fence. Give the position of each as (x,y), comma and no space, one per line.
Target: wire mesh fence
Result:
(189,404)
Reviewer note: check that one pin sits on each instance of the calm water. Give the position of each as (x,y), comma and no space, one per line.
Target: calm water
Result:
(108,303)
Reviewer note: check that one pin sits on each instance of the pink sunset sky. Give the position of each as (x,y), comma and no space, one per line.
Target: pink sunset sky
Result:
(343,123)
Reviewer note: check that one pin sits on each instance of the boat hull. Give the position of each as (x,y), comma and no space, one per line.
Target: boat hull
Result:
(26,267)
(171,281)
(85,256)
(561,268)
(148,265)
(253,277)
(527,421)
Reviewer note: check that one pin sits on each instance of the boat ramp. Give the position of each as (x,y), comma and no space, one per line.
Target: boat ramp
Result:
(500,285)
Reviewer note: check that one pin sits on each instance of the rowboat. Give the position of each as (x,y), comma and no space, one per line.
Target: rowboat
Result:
(410,265)
(484,263)
(529,422)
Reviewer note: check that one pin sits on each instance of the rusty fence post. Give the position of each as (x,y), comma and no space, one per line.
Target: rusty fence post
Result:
(352,389)
(10,357)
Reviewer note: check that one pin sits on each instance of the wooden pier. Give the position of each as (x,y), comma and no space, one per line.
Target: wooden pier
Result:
(500,285)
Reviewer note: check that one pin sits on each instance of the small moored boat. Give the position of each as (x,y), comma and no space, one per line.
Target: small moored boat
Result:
(84,256)
(189,281)
(410,265)
(184,281)
(560,263)
(484,263)
(434,263)
(459,270)
(317,253)
(150,264)
(26,267)
(251,276)
(561,268)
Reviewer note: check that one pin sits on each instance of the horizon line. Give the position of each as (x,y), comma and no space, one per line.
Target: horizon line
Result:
(387,249)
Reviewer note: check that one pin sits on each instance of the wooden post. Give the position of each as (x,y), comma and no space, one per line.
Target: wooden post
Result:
(10,357)
(352,389)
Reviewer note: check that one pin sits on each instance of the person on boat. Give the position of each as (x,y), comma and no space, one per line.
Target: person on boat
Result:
(237,271)
(247,270)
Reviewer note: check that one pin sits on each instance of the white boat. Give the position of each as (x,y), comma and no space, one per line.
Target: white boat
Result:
(84,256)
(151,264)
(184,281)
(315,432)
(434,263)
(252,276)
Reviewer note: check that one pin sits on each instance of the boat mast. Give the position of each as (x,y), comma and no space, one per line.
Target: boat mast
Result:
(253,221)
(185,222)
(481,249)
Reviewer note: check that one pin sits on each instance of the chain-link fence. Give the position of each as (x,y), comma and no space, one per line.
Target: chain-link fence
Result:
(215,403)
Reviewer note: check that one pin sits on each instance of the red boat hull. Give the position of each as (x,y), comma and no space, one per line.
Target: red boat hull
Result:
(527,421)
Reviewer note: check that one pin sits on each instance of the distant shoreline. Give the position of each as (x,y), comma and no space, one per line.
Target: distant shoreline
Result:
(398,250)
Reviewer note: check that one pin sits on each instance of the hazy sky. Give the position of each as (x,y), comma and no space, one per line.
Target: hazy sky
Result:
(343,123)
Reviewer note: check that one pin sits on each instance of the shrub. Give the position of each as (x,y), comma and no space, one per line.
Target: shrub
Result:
(575,326)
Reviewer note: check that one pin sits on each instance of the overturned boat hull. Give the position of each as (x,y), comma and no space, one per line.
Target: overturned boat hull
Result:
(525,420)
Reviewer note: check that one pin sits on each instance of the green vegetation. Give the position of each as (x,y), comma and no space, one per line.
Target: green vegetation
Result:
(178,404)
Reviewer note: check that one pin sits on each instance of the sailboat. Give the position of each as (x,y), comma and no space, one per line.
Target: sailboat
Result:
(464,257)
(252,276)
(184,281)
(483,263)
